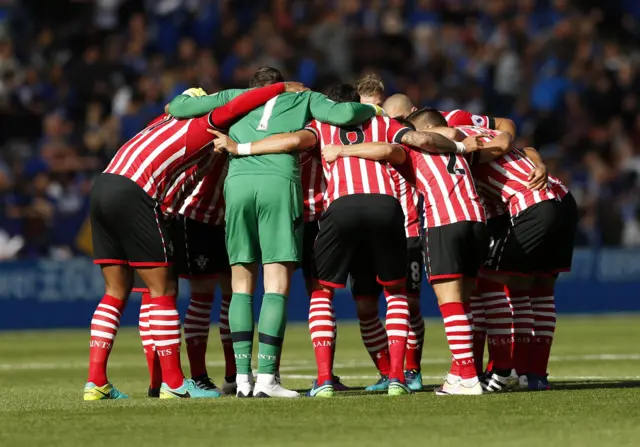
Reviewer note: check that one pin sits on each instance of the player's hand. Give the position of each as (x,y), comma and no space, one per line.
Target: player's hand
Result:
(379,110)
(538,178)
(223,143)
(331,152)
(294,87)
(195,92)
(472,143)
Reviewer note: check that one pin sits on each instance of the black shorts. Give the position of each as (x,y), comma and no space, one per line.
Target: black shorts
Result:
(363,277)
(564,236)
(356,223)
(309,234)
(456,250)
(200,249)
(126,225)
(527,245)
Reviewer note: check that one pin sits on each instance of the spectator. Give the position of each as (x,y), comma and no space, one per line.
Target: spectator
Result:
(77,80)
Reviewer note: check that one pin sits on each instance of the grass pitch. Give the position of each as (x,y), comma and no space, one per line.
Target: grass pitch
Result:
(596,400)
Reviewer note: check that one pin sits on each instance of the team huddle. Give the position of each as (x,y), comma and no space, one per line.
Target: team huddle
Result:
(349,187)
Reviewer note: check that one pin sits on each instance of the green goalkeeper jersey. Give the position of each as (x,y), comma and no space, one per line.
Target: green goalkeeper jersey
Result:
(287,112)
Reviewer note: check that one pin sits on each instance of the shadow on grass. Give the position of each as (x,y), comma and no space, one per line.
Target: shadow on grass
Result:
(555,385)
(594,384)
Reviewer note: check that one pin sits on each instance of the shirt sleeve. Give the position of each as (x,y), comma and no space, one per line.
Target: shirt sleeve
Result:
(224,116)
(340,114)
(464,118)
(395,131)
(184,106)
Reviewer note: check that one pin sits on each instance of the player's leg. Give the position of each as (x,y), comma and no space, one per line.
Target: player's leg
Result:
(150,251)
(535,231)
(452,263)
(504,254)
(332,253)
(310,232)
(279,210)
(109,253)
(224,282)
(197,264)
(479,328)
(415,340)
(544,317)
(153,361)
(366,293)
(542,293)
(386,235)
(243,247)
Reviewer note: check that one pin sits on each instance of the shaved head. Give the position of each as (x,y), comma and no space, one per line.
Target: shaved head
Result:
(398,105)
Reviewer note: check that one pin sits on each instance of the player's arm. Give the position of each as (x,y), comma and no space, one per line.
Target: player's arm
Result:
(341,113)
(391,152)
(435,143)
(505,125)
(283,143)
(538,178)
(224,116)
(449,132)
(190,105)
(497,147)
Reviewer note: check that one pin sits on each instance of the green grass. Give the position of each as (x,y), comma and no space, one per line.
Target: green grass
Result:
(596,402)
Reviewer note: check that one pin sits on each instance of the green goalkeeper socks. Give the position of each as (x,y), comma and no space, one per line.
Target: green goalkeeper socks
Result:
(271,327)
(241,325)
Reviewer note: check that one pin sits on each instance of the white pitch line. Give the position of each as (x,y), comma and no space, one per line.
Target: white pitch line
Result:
(301,365)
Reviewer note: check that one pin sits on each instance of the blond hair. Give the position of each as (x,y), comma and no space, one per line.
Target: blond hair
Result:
(370,85)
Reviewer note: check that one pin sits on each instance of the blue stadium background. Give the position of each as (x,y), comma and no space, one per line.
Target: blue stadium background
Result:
(78,78)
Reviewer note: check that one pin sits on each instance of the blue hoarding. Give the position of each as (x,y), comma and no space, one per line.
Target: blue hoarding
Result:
(54,294)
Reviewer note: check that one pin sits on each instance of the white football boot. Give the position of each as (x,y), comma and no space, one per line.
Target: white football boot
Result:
(244,385)
(267,385)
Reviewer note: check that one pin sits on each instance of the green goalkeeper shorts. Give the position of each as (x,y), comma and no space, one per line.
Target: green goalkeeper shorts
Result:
(263,219)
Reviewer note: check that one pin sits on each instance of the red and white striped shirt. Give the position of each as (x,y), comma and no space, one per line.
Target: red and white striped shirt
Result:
(163,156)
(447,186)
(463,118)
(351,175)
(507,177)
(559,188)
(313,184)
(205,203)
(410,201)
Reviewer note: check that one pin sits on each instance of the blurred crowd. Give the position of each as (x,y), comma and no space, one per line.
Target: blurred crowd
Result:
(80,77)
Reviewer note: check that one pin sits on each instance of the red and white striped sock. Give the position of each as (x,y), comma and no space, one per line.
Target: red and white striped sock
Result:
(322,325)
(196,331)
(415,339)
(397,321)
(479,330)
(544,313)
(153,361)
(374,337)
(104,327)
(522,329)
(225,337)
(460,338)
(499,321)
(164,323)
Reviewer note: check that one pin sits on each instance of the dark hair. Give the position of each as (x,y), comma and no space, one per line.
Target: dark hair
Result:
(343,93)
(431,115)
(405,122)
(265,76)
